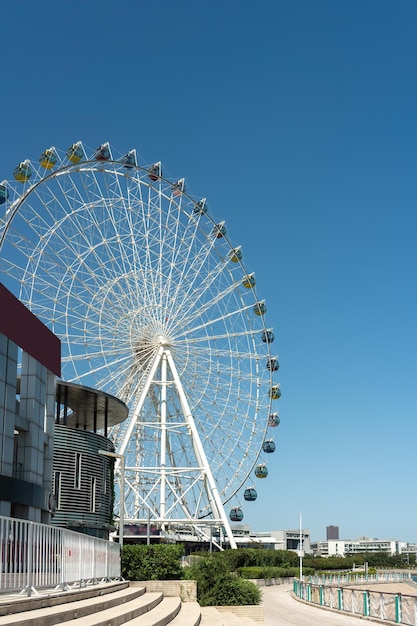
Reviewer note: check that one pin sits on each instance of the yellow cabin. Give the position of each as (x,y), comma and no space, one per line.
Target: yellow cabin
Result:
(48,158)
(22,172)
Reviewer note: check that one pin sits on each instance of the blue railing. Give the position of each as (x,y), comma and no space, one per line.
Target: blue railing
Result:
(348,594)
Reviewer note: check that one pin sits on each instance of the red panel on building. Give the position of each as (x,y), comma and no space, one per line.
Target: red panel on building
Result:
(25,330)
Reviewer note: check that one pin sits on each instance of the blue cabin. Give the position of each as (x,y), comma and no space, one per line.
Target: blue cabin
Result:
(4,194)
(155,171)
(268,446)
(200,207)
(129,159)
(250,494)
(268,336)
(236,514)
(272,364)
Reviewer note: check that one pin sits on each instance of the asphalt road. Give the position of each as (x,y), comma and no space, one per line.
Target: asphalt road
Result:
(281,609)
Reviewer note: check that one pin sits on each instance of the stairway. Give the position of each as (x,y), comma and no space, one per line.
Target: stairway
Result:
(111,604)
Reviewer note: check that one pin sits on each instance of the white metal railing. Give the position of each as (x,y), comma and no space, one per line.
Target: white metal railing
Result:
(395,608)
(35,556)
(353,579)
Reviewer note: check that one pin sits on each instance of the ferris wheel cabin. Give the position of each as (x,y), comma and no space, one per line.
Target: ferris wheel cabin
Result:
(268,336)
(275,392)
(249,281)
(129,159)
(261,471)
(75,153)
(22,172)
(260,308)
(4,194)
(272,364)
(273,420)
(250,494)
(178,188)
(269,446)
(155,171)
(48,158)
(219,230)
(200,207)
(236,514)
(236,255)
(102,153)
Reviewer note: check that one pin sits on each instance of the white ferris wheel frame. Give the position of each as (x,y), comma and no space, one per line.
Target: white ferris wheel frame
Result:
(162,372)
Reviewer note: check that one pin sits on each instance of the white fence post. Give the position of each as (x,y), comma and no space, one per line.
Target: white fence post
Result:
(36,555)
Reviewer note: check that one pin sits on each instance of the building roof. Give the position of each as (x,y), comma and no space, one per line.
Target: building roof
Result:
(83,403)
(90,409)
(28,332)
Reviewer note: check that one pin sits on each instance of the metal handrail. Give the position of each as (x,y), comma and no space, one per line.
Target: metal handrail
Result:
(391,607)
(35,556)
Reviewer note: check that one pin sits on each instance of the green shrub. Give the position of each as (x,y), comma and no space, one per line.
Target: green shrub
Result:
(271,572)
(251,572)
(217,586)
(154,562)
(249,557)
(230,591)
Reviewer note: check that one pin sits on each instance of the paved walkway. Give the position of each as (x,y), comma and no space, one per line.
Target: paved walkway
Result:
(280,609)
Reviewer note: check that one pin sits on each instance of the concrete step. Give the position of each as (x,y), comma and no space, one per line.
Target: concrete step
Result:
(211,616)
(16,603)
(190,615)
(161,615)
(119,601)
(120,614)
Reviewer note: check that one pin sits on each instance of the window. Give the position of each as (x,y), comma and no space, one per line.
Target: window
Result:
(56,487)
(93,495)
(104,486)
(77,473)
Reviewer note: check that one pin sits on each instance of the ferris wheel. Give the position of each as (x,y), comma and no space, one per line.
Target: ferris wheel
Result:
(153,304)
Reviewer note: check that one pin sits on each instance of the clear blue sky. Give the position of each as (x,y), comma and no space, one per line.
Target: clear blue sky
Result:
(298,120)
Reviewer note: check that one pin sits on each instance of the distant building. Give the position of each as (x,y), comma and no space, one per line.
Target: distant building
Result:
(332,532)
(290,539)
(350,547)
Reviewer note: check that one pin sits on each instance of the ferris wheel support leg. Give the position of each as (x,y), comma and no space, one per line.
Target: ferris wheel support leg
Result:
(163,408)
(200,451)
(139,405)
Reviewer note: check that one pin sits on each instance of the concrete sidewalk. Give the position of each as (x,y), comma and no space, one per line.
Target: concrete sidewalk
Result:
(281,609)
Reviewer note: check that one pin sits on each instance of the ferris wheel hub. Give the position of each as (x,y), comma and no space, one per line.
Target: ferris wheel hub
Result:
(162,340)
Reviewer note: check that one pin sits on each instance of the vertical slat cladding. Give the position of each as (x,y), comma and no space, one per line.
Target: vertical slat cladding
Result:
(75,504)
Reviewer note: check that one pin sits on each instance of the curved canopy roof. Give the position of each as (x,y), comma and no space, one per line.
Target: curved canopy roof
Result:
(90,409)
(86,408)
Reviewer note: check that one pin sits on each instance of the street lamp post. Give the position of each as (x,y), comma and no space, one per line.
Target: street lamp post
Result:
(301,551)
(121,457)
